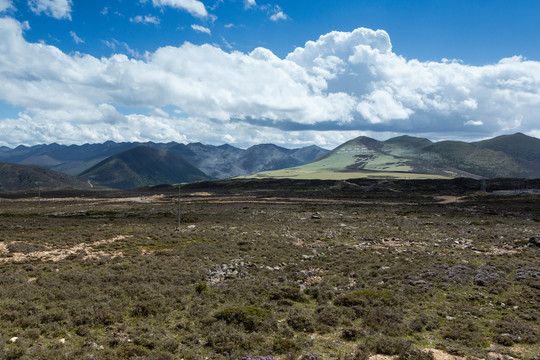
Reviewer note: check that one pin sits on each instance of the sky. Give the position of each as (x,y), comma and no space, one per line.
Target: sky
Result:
(289,72)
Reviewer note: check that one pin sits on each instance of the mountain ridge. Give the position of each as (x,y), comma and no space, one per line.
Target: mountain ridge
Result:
(218,161)
(142,166)
(15,177)
(411,157)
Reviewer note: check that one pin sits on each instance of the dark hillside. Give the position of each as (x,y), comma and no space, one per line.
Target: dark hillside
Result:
(14,177)
(142,166)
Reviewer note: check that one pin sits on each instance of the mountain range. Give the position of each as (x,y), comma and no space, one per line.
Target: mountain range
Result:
(129,165)
(407,157)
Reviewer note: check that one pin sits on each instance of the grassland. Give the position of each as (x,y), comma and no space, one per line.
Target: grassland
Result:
(318,273)
(307,173)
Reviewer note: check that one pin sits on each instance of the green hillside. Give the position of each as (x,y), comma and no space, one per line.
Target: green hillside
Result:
(407,157)
(142,166)
(518,145)
(478,160)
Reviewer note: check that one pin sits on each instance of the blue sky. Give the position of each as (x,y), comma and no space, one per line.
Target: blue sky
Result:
(293,72)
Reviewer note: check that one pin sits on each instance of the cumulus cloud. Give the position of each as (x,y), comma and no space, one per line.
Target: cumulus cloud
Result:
(201,29)
(59,9)
(5,5)
(331,89)
(147,19)
(278,15)
(194,7)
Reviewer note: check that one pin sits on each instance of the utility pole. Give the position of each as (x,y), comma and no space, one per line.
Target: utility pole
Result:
(483,185)
(38,183)
(178,228)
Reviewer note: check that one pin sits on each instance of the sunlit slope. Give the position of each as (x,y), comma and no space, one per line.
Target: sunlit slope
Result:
(368,158)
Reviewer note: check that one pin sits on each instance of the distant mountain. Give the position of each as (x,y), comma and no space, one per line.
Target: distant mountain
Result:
(410,157)
(142,166)
(518,145)
(15,177)
(228,161)
(69,159)
(218,161)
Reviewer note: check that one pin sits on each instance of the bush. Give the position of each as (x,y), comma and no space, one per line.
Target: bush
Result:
(421,323)
(387,345)
(289,293)
(284,346)
(127,351)
(465,332)
(300,321)
(250,317)
(517,331)
(327,315)
(201,287)
(367,297)
(385,319)
(360,353)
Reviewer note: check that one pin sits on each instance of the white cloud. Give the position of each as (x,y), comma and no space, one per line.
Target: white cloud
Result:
(474,123)
(75,38)
(147,19)
(249,3)
(194,7)
(5,5)
(342,84)
(279,15)
(201,29)
(58,9)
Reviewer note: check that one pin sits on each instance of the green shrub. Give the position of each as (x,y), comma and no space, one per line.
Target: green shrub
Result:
(518,331)
(327,315)
(464,332)
(127,351)
(300,321)
(352,334)
(250,317)
(284,346)
(201,287)
(367,297)
(385,319)
(289,293)
(387,345)
(360,353)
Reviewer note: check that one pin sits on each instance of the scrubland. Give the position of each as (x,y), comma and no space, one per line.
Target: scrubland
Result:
(256,274)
